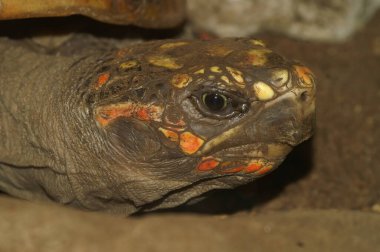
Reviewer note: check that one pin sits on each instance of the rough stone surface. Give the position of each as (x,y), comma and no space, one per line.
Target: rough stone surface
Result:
(307,19)
(32,227)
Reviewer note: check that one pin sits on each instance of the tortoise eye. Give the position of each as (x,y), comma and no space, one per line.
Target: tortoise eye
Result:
(219,104)
(215,102)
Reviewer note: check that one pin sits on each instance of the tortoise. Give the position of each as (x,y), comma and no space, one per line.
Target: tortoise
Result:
(149,126)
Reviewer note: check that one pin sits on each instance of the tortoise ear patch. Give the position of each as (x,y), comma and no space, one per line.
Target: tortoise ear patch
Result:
(106,114)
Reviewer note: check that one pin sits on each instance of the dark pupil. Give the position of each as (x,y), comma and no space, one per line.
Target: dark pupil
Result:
(215,102)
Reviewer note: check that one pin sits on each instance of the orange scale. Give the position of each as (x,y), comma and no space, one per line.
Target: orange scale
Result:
(102,79)
(190,143)
(142,114)
(264,170)
(208,165)
(253,167)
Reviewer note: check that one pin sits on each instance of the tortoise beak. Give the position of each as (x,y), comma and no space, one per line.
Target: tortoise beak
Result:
(308,99)
(289,119)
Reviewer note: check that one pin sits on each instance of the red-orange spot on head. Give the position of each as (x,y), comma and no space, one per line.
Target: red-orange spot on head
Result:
(171,135)
(305,75)
(103,120)
(190,143)
(265,169)
(253,167)
(208,164)
(148,113)
(142,114)
(102,79)
(107,114)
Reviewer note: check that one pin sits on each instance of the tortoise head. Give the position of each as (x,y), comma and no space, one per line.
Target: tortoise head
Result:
(220,112)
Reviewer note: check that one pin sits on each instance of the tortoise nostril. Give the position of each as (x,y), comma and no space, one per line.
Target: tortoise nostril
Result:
(304,96)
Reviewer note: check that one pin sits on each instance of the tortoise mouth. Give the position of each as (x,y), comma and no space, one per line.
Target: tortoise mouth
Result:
(257,159)
(257,166)
(256,150)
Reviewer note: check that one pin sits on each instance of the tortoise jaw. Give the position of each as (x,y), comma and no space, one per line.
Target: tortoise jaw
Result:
(255,159)
(255,166)
(268,151)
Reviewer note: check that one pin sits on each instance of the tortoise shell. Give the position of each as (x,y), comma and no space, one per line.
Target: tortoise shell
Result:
(147,13)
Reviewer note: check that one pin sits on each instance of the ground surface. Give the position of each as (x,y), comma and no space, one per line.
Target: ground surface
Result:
(56,229)
(339,169)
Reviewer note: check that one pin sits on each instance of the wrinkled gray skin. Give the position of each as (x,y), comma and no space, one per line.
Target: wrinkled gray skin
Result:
(52,148)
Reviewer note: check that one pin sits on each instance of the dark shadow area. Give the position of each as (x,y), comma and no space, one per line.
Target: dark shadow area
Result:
(24,28)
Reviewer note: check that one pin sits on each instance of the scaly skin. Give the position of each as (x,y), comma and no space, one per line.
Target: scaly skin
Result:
(133,129)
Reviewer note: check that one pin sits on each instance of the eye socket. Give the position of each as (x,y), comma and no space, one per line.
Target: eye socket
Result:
(215,102)
(219,104)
